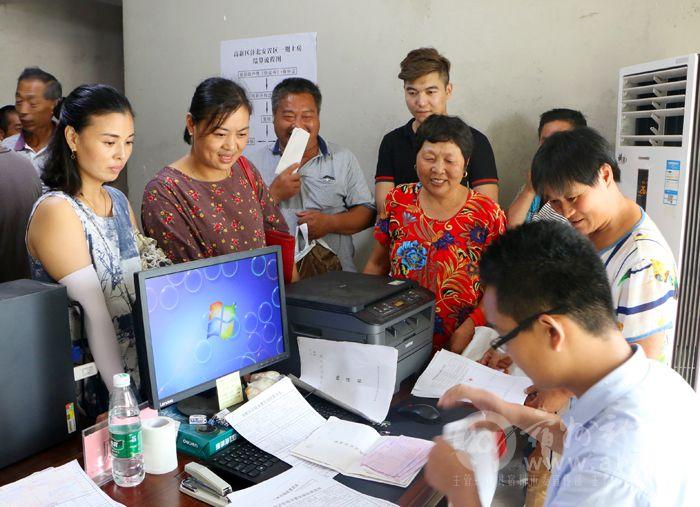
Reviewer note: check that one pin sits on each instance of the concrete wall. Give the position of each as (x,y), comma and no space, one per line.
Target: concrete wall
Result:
(511,61)
(78,41)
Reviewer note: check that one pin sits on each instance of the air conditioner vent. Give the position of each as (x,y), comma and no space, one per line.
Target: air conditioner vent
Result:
(652,108)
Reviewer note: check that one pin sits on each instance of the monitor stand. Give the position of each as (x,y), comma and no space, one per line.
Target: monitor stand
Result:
(206,403)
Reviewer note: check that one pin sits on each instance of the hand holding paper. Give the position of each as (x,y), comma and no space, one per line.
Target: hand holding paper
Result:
(287,184)
(319,224)
(294,151)
(481,449)
(448,369)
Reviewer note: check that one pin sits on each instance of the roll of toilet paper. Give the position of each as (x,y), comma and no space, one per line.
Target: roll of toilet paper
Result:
(159,450)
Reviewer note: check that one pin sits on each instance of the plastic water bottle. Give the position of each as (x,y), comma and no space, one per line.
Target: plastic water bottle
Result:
(125,434)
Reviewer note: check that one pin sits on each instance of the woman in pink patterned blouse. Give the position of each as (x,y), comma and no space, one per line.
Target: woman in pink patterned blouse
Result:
(203,204)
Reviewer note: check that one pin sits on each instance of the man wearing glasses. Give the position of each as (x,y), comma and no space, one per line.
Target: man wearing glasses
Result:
(630,438)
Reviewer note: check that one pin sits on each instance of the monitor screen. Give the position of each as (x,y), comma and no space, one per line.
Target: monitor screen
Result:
(205,319)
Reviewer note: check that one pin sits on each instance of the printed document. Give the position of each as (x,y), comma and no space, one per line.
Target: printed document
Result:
(276,420)
(357,450)
(298,487)
(357,376)
(448,369)
(64,486)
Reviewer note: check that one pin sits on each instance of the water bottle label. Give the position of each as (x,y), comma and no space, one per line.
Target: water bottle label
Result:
(125,445)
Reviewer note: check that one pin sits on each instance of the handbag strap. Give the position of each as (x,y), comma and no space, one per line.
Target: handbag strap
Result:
(245,165)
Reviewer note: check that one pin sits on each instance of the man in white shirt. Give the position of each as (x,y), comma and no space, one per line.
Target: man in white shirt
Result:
(631,437)
(37,95)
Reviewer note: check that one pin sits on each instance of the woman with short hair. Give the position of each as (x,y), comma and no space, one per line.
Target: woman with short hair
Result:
(435,231)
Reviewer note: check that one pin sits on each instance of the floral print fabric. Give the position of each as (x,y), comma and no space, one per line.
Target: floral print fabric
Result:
(442,256)
(192,219)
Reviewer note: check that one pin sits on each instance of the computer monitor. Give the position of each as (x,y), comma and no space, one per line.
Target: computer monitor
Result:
(201,320)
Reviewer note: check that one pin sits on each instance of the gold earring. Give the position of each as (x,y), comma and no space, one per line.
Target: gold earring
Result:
(72,155)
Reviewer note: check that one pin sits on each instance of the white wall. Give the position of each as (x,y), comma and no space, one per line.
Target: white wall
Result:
(511,61)
(78,41)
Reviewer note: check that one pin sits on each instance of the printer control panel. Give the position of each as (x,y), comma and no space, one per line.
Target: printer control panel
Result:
(396,304)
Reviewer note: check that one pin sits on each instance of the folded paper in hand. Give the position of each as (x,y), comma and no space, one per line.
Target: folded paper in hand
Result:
(294,151)
(481,447)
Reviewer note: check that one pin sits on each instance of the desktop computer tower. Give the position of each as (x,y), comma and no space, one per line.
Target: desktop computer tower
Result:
(37,388)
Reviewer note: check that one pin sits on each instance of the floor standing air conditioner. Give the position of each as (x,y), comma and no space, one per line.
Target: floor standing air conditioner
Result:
(657,147)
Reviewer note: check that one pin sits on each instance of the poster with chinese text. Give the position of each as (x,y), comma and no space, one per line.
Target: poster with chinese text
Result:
(261,63)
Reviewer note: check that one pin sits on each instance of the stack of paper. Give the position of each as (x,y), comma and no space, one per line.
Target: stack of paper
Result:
(298,487)
(356,376)
(398,457)
(66,485)
(343,446)
(448,369)
(276,421)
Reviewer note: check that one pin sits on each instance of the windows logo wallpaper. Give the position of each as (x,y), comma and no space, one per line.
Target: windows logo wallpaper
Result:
(211,321)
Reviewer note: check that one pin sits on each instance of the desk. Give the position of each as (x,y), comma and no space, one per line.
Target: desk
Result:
(162,490)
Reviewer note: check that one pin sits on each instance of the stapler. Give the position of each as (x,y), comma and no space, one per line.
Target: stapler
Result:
(205,485)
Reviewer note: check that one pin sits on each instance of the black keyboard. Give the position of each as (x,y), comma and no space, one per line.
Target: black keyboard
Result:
(328,409)
(245,461)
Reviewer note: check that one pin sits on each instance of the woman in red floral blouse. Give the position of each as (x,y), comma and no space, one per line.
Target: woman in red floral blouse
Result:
(202,205)
(434,232)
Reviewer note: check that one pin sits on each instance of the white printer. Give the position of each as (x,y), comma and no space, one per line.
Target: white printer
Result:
(355,307)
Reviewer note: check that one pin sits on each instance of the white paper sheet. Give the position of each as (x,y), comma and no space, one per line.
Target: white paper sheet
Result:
(481,343)
(277,420)
(294,151)
(259,64)
(343,445)
(480,445)
(359,376)
(297,487)
(448,369)
(64,486)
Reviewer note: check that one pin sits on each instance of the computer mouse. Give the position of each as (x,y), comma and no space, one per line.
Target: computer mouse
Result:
(420,412)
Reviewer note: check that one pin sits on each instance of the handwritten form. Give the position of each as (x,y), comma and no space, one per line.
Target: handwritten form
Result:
(357,376)
(64,486)
(448,369)
(298,487)
(276,420)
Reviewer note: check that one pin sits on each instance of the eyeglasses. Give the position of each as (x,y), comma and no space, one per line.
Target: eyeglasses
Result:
(498,343)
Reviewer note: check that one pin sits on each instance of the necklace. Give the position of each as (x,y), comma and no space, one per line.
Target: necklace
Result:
(94,208)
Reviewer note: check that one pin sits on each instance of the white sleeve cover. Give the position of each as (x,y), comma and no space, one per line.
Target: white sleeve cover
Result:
(84,287)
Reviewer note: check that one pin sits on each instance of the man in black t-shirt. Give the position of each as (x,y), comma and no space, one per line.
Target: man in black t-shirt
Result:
(427,88)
